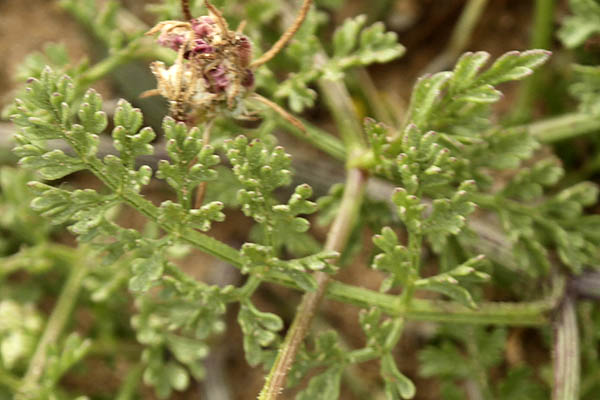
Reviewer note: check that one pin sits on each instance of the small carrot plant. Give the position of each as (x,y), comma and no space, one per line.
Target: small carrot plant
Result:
(474,235)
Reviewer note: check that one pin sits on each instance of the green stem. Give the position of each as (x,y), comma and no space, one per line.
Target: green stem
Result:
(491,313)
(249,287)
(566,126)
(465,26)
(460,36)
(543,23)
(480,372)
(319,138)
(551,130)
(9,380)
(130,385)
(382,111)
(339,102)
(336,241)
(56,323)
(415,242)
(107,65)
(488,313)
(516,314)
(362,355)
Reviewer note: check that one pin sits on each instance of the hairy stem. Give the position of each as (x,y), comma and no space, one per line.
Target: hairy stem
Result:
(336,241)
(280,110)
(285,38)
(185,10)
(566,353)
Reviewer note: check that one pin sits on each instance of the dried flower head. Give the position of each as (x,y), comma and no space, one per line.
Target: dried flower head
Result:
(214,70)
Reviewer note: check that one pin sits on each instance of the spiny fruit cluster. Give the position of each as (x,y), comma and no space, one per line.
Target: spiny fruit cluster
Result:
(214,71)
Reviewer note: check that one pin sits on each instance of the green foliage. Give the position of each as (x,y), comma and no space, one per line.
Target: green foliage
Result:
(326,352)
(62,358)
(380,338)
(260,170)
(452,102)
(179,325)
(584,22)
(396,384)
(586,88)
(447,159)
(20,327)
(100,20)
(16,216)
(468,355)
(448,283)
(353,45)
(260,331)
(324,386)
(191,160)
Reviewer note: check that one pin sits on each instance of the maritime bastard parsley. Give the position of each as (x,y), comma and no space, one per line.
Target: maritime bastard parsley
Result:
(474,233)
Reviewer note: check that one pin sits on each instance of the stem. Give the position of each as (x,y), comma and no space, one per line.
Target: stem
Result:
(382,111)
(107,65)
(130,384)
(460,36)
(551,130)
(489,313)
(56,324)
(566,126)
(480,380)
(415,242)
(543,22)
(566,353)
(339,102)
(185,10)
(526,314)
(336,241)
(320,139)
(285,37)
(280,110)
(201,190)
(249,287)
(9,380)
(441,311)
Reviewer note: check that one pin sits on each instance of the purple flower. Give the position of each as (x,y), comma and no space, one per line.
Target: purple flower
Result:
(248,79)
(201,47)
(203,26)
(219,79)
(171,40)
